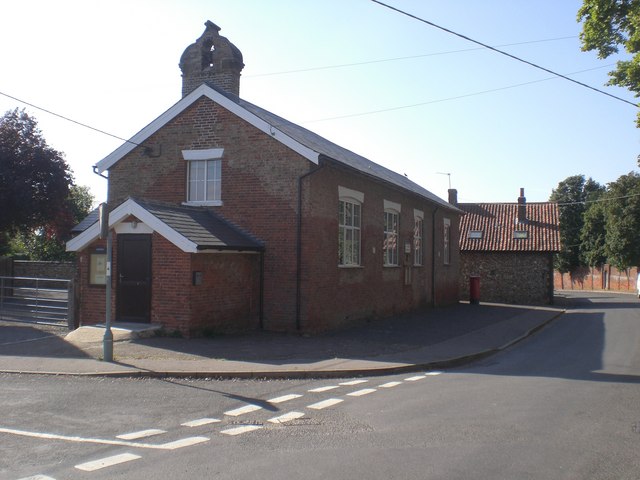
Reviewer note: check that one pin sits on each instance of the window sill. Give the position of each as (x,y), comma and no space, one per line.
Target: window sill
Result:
(214,203)
(350,267)
(391,266)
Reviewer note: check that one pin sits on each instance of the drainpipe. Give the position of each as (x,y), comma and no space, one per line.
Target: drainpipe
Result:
(433,256)
(299,246)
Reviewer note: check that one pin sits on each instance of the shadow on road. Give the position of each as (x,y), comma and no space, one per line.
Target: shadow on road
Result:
(595,340)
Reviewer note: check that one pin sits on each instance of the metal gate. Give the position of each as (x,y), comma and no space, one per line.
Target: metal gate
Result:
(36,300)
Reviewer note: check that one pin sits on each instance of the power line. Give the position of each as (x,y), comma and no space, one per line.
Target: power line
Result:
(605,199)
(502,52)
(369,62)
(457,97)
(69,119)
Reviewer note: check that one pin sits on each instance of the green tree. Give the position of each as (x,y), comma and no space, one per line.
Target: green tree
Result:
(48,242)
(623,221)
(571,195)
(34,178)
(593,234)
(607,26)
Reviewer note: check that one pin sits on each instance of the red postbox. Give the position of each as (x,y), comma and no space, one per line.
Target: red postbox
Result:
(474,290)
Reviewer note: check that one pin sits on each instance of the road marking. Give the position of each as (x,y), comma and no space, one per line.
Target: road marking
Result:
(141,434)
(435,372)
(364,391)
(185,442)
(38,477)
(287,417)
(242,410)
(415,379)
(325,403)
(107,462)
(242,429)
(323,389)
(200,422)
(353,382)
(100,441)
(284,398)
(389,385)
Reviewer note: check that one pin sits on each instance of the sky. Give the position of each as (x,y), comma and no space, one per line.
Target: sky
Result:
(404,94)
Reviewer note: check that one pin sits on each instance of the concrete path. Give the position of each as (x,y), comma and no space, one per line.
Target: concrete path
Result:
(433,339)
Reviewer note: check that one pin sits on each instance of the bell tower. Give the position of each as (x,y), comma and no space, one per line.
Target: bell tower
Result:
(211,59)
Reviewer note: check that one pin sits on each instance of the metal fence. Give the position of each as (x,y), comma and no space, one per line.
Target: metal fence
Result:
(36,300)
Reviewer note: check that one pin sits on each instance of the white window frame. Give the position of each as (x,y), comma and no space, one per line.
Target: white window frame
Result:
(391,238)
(446,241)
(349,233)
(207,158)
(418,238)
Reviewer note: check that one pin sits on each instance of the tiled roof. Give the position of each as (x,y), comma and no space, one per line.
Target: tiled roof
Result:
(337,153)
(498,223)
(202,226)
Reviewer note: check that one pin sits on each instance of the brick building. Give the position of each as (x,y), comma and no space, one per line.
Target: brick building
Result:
(510,246)
(226,217)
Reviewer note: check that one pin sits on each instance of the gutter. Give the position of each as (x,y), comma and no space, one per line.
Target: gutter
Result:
(299,244)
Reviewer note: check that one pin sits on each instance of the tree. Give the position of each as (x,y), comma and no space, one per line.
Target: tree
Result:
(35,179)
(571,195)
(593,234)
(622,213)
(48,242)
(607,25)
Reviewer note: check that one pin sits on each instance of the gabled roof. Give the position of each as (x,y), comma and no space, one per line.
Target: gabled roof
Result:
(497,223)
(308,144)
(192,229)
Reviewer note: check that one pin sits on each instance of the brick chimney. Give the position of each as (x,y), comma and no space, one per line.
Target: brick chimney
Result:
(212,59)
(453,196)
(522,207)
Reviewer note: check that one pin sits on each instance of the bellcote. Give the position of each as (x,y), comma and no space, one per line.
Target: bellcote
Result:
(211,59)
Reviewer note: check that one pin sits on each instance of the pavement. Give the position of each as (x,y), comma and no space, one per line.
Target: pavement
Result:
(431,339)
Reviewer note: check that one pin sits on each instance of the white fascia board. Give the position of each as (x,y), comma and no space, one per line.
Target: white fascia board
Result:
(204,90)
(120,213)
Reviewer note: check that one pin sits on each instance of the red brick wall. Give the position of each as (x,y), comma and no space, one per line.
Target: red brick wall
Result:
(606,278)
(92,298)
(335,296)
(228,300)
(171,284)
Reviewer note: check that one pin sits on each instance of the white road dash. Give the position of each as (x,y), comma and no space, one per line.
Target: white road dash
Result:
(100,441)
(359,393)
(107,462)
(287,417)
(323,389)
(325,403)
(141,434)
(434,373)
(242,410)
(389,384)
(241,430)
(38,477)
(415,379)
(284,398)
(353,382)
(200,422)
(184,442)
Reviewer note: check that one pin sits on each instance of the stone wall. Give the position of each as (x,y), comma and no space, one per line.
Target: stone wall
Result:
(519,278)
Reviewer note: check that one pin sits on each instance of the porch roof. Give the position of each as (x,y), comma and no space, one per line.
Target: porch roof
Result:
(192,229)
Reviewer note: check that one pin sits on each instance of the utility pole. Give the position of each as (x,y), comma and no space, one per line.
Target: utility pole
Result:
(105,231)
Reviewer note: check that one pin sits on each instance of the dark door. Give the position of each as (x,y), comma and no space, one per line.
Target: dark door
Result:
(133,295)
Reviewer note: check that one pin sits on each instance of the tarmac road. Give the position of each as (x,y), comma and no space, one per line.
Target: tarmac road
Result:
(560,404)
